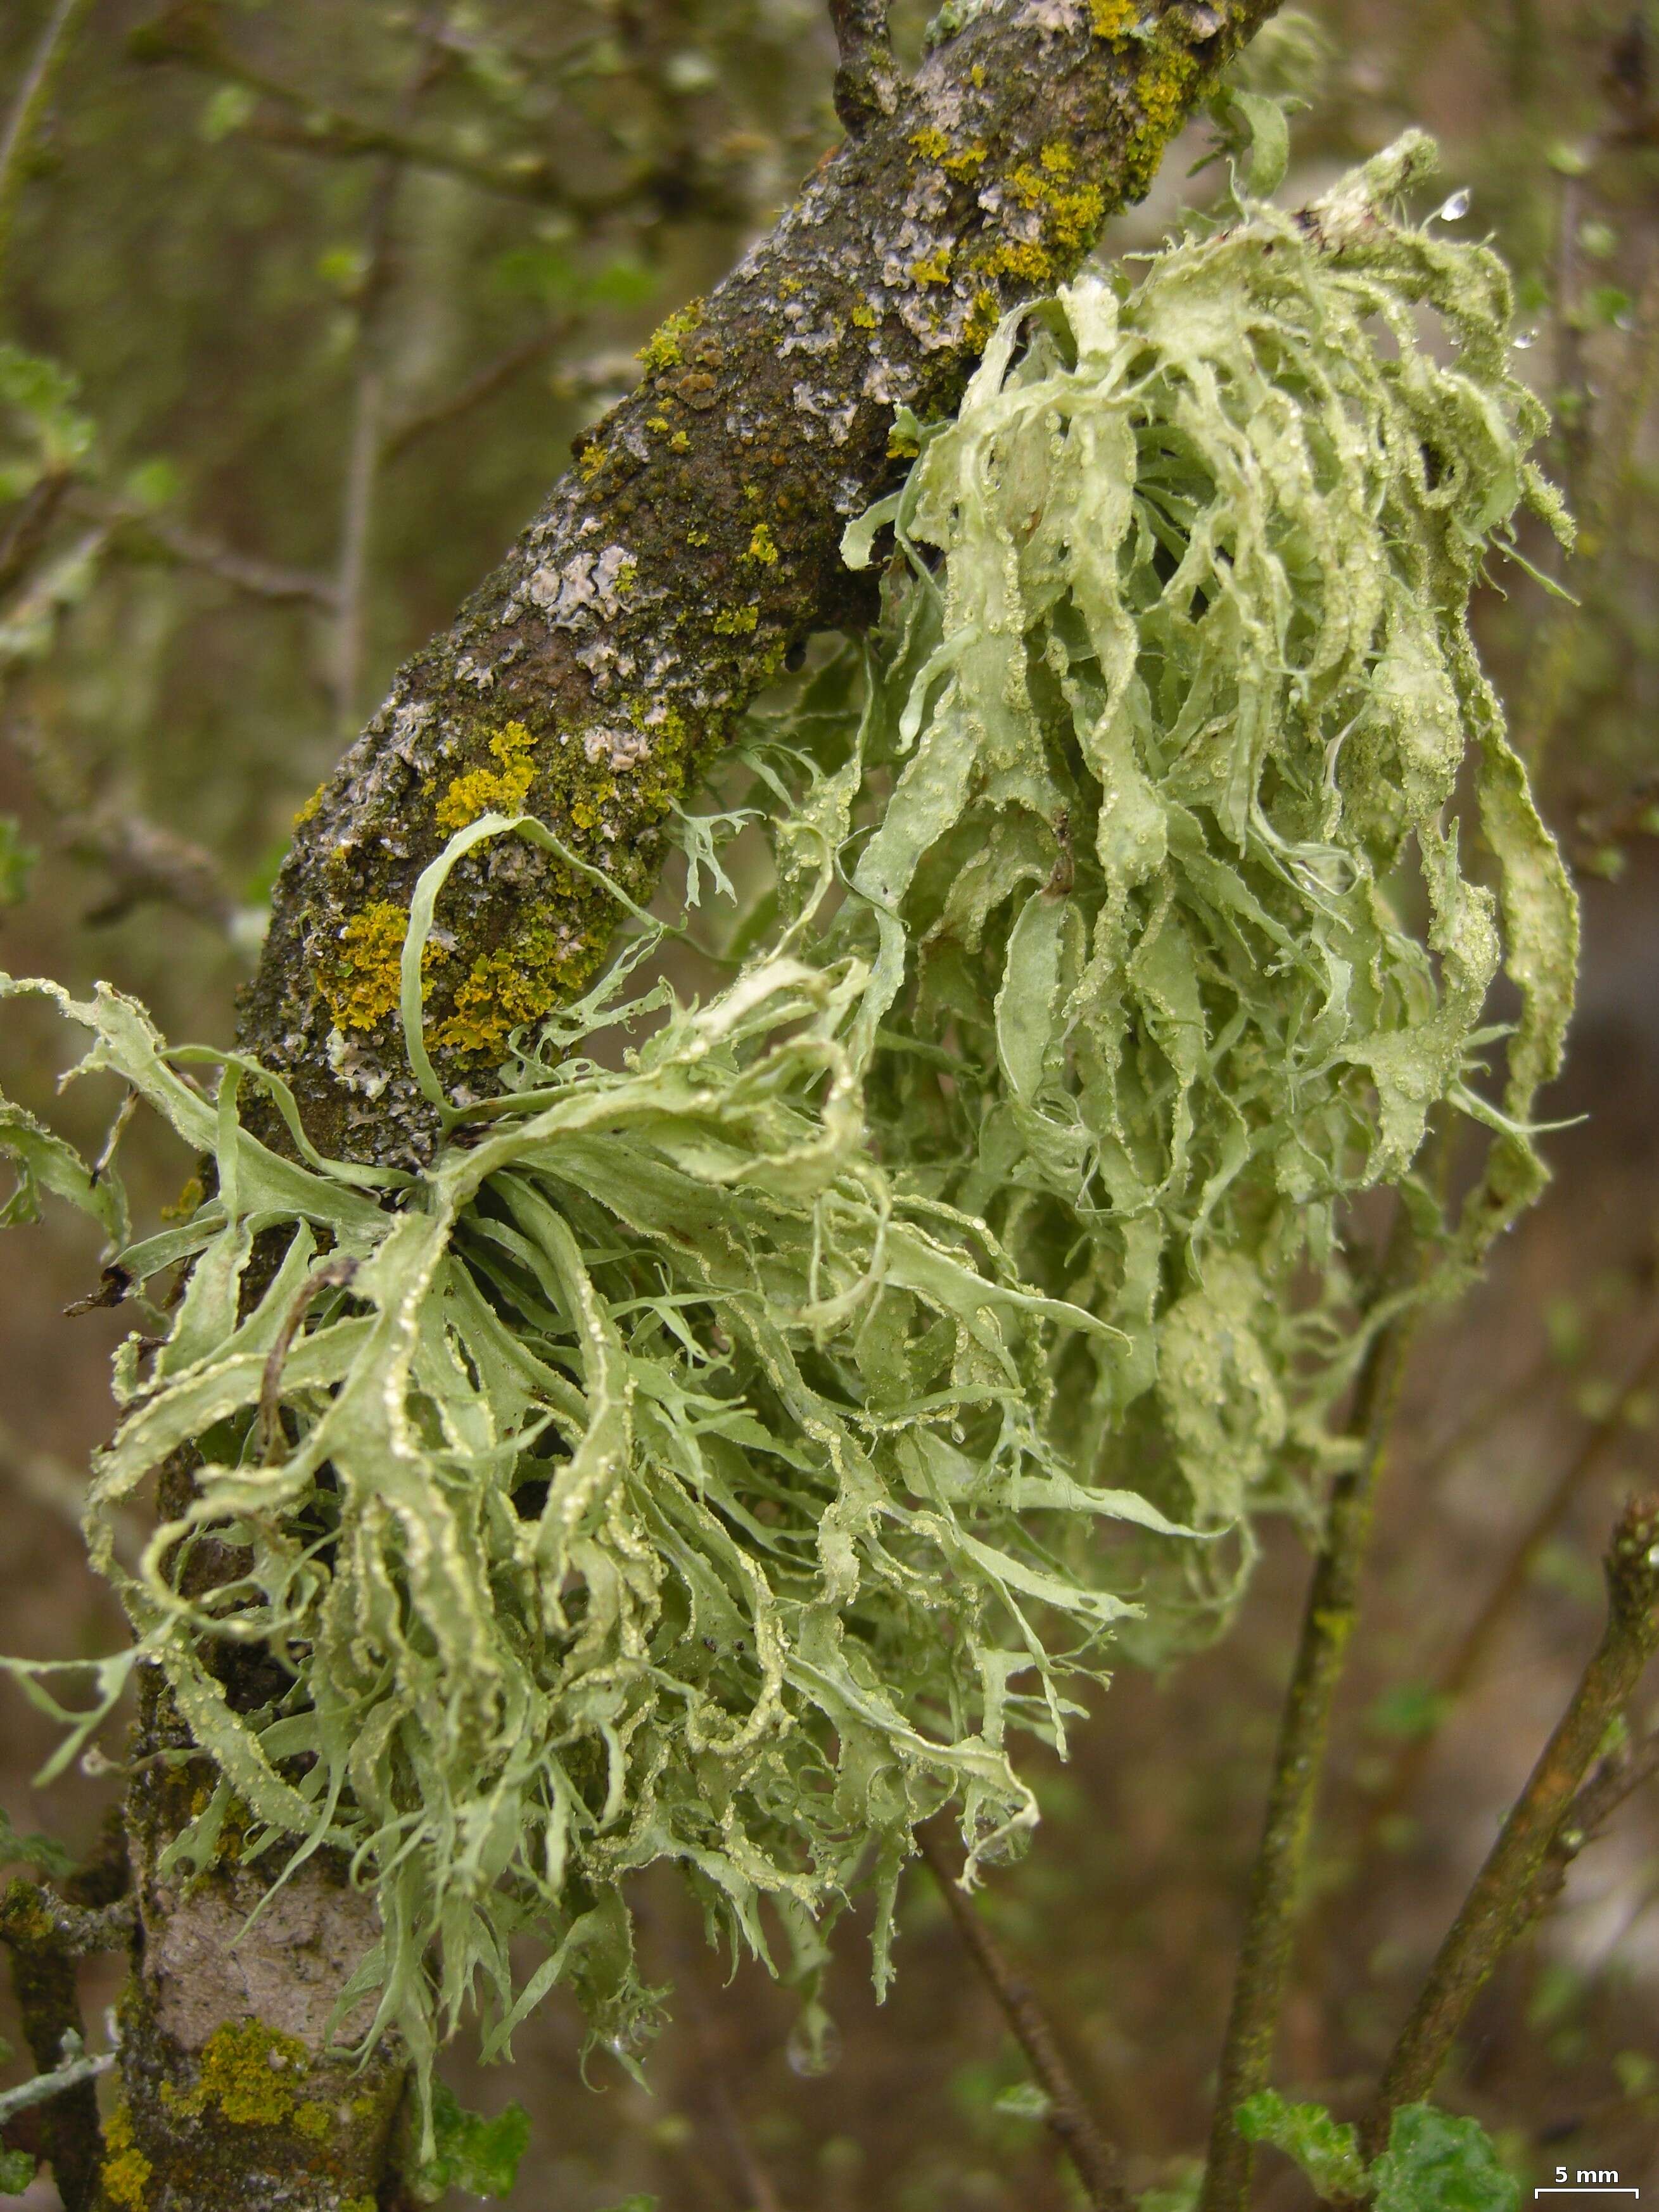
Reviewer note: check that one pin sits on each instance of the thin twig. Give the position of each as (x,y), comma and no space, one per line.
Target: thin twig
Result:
(1276,1880)
(50,51)
(351,577)
(1068,2115)
(29,527)
(492,378)
(762,2197)
(246,572)
(1617,1777)
(333,1275)
(143,861)
(1506,1893)
(1464,1661)
(291,118)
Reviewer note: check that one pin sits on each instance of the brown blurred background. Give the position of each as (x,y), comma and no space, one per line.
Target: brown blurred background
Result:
(328,374)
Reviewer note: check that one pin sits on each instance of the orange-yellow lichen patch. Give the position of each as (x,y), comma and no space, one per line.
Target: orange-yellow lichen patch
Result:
(361,982)
(501,790)
(126,2171)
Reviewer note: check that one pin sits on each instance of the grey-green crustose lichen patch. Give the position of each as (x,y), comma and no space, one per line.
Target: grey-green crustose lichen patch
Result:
(723,1455)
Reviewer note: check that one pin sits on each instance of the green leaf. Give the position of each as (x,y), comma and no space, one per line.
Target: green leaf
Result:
(1326,2150)
(43,1853)
(16,2172)
(226,110)
(1023,2100)
(40,396)
(1408,1710)
(1435,2162)
(637,2202)
(473,2153)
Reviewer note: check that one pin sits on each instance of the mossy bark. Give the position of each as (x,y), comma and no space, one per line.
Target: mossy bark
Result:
(588,680)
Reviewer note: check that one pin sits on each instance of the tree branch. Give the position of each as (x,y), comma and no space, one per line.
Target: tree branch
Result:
(45,1936)
(1068,2115)
(1464,1662)
(1507,1892)
(188,34)
(866,82)
(590,679)
(143,861)
(244,572)
(50,51)
(698,541)
(495,376)
(1276,1879)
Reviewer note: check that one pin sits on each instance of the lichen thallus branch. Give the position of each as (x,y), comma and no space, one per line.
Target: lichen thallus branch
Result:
(663,585)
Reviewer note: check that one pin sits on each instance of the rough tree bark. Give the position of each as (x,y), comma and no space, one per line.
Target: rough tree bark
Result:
(696,543)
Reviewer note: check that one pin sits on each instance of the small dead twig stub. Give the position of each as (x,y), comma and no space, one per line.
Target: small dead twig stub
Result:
(332,1275)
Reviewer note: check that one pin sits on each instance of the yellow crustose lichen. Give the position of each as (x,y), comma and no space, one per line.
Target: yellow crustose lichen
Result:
(362,983)
(250,2072)
(126,2170)
(518,984)
(501,790)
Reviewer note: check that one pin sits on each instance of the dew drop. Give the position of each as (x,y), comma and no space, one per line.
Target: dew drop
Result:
(1454,208)
(1524,340)
(814,2045)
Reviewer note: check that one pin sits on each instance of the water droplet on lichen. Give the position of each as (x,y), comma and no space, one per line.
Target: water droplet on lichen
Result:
(814,2045)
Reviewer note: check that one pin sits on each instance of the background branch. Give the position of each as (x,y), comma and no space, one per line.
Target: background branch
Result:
(1506,1891)
(28,110)
(1068,2115)
(1276,1879)
(1464,1659)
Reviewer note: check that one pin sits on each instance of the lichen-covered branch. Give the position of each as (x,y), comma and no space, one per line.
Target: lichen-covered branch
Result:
(44,1935)
(233,2090)
(697,541)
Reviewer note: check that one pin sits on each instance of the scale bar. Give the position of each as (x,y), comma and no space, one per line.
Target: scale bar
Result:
(1589,2188)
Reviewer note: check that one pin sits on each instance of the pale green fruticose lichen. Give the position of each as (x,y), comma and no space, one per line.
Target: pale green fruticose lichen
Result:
(722,1457)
